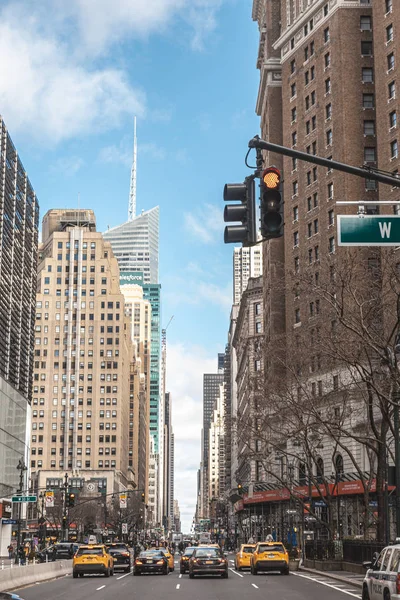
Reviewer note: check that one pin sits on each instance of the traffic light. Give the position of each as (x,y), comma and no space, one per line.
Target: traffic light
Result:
(71,499)
(240,488)
(244,212)
(143,496)
(271,203)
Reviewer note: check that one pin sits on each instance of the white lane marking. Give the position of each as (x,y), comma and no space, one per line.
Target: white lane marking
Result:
(122,576)
(254,585)
(329,585)
(180,576)
(230,560)
(100,588)
(178,585)
(236,573)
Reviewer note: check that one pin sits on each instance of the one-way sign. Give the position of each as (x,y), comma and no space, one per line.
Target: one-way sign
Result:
(368,230)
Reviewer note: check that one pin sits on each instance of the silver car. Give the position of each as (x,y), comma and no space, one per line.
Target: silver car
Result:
(382,580)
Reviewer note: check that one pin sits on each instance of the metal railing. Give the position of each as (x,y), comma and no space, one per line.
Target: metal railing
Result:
(357,551)
(324,550)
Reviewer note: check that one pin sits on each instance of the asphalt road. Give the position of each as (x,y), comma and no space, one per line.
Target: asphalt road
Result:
(240,586)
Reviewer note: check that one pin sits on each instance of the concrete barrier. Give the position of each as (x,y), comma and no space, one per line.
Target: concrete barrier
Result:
(16,577)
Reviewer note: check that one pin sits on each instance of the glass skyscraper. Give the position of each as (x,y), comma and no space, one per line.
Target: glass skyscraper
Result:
(135,244)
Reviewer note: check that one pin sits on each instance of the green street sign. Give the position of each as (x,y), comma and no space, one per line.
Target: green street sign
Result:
(24,498)
(368,230)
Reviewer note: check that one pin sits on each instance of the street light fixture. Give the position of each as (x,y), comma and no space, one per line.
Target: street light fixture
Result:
(22,468)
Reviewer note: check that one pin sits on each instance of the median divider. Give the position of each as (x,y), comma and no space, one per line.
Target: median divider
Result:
(20,576)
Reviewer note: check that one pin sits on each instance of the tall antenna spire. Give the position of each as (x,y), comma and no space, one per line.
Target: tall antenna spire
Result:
(132,192)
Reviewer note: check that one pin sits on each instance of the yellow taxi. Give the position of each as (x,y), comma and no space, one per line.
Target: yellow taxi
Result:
(92,559)
(170,558)
(243,557)
(270,556)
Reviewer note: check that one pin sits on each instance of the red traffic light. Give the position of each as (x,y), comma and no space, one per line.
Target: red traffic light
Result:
(271,178)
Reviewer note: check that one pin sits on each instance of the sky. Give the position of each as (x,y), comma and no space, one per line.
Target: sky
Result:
(72,76)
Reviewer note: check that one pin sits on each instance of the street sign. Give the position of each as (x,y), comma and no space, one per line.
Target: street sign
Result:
(291,511)
(49,496)
(24,499)
(368,230)
(124,527)
(123,500)
(9,521)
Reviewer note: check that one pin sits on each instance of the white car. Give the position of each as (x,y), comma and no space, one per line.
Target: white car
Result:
(382,580)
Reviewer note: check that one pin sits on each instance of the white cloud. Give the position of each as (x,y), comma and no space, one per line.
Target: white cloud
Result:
(185,368)
(45,94)
(47,88)
(68,165)
(116,154)
(198,292)
(206,223)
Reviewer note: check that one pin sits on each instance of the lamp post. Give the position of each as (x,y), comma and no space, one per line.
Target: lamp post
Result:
(280,458)
(42,519)
(22,468)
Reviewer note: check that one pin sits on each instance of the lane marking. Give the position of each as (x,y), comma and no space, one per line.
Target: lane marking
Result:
(178,585)
(236,573)
(180,576)
(126,575)
(100,588)
(329,585)
(254,585)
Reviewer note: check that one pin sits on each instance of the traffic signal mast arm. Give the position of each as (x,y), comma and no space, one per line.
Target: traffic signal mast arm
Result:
(364,172)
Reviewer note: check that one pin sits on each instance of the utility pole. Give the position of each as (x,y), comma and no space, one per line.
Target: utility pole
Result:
(396,397)
(22,468)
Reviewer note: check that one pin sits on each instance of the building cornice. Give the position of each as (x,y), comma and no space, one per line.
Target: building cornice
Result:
(270,76)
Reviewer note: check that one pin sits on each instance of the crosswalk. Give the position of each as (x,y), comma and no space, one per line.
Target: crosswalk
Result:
(344,587)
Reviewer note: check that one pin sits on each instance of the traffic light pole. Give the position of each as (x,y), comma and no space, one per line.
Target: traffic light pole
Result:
(64,527)
(364,172)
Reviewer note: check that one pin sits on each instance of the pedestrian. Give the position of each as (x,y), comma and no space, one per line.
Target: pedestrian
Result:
(71,551)
(10,551)
(22,555)
(54,553)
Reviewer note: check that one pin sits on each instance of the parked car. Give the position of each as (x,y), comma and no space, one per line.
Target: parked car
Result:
(382,579)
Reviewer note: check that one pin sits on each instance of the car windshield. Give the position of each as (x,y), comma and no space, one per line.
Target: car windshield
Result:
(270,548)
(248,549)
(117,548)
(209,552)
(94,551)
(189,551)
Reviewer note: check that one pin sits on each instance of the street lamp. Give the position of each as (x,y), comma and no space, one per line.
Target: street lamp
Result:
(22,468)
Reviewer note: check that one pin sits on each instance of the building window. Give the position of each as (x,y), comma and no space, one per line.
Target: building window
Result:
(393,119)
(393,149)
(329,137)
(368,101)
(293,90)
(328,111)
(326,35)
(316,226)
(296,264)
(366,48)
(294,138)
(331,245)
(369,154)
(389,33)
(306,78)
(293,66)
(295,213)
(392,90)
(310,256)
(370,185)
(294,114)
(367,74)
(369,127)
(314,123)
(328,86)
(306,53)
(297,315)
(316,252)
(257,365)
(327,60)
(330,191)
(258,327)
(326,9)
(331,217)
(365,23)
(390,61)
(309,229)
(388,6)
(313,98)
(294,164)
(295,239)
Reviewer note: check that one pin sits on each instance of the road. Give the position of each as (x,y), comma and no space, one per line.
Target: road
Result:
(240,586)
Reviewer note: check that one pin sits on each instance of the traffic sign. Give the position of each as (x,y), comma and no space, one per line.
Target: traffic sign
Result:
(124,527)
(9,521)
(24,499)
(368,230)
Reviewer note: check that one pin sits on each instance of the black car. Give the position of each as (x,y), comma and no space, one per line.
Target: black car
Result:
(151,562)
(121,555)
(184,562)
(9,596)
(208,561)
(62,550)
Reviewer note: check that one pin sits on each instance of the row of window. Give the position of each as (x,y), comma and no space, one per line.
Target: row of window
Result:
(83,281)
(110,305)
(331,243)
(107,464)
(102,439)
(63,402)
(107,414)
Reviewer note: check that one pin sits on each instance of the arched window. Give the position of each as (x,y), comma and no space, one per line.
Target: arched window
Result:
(302,474)
(338,465)
(320,469)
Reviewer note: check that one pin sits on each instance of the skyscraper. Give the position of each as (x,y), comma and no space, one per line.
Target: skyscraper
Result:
(247,262)
(18,255)
(83,352)
(211,391)
(135,244)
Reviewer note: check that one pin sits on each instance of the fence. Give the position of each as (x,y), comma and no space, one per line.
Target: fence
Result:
(357,551)
(323,550)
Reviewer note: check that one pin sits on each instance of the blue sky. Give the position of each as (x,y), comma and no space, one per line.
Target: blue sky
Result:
(72,76)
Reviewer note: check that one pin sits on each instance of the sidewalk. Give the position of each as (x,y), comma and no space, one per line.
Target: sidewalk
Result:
(344,576)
